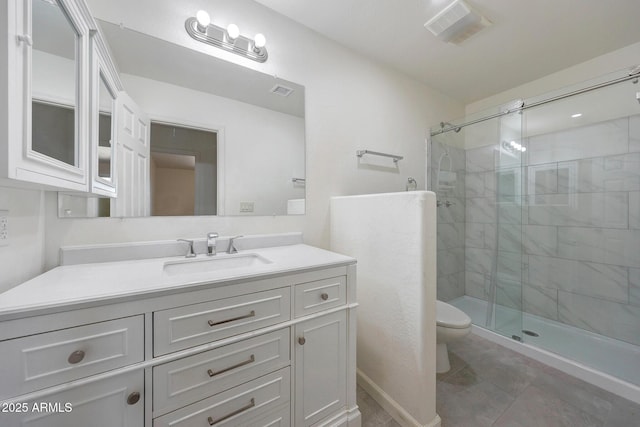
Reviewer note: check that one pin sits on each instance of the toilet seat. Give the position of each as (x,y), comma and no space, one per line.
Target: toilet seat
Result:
(448,316)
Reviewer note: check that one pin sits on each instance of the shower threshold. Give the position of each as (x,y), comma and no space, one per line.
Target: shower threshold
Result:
(605,362)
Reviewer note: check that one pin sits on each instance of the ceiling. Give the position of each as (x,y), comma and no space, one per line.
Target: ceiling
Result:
(528,39)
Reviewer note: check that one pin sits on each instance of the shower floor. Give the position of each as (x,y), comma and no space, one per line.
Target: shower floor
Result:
(606,355)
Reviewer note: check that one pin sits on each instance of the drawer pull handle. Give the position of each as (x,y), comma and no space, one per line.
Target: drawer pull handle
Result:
(302,340)
(222,371)
(76,357)
(133,398)
(246,316)
(236,412)
(324,296)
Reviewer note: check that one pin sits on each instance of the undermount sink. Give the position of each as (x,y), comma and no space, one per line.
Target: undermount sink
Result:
(215,263)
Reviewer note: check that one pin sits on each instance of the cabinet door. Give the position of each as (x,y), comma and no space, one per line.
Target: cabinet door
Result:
(48,94)
(320,366)
(107,403)
(104,91)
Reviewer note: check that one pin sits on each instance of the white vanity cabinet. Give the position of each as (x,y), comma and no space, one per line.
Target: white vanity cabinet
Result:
(275,351)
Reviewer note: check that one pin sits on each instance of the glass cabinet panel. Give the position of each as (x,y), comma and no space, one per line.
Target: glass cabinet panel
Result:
(54,83)
(105,146)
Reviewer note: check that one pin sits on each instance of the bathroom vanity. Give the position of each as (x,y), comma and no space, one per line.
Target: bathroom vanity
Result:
(264,337)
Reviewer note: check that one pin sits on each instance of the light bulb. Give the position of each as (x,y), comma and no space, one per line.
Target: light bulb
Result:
(259,41)
(233,31)
(203,19)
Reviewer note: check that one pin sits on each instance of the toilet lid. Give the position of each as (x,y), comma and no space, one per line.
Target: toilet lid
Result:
(451,317)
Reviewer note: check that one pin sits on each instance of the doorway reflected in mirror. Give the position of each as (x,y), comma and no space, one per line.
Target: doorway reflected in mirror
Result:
(183,171)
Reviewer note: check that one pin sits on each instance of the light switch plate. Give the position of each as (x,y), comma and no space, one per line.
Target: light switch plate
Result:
(4,228)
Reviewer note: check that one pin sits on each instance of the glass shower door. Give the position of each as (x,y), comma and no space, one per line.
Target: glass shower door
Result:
(507,269)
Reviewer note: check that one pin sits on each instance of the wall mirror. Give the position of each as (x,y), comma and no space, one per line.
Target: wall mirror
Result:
(225,139)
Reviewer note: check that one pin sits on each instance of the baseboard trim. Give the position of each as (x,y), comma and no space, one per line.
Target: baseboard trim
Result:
(396,411)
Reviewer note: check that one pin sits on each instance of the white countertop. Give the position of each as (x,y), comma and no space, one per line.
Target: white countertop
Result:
(101,282)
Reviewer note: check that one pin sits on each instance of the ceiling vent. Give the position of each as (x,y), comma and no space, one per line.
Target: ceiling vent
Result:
(282,90)
(456,23)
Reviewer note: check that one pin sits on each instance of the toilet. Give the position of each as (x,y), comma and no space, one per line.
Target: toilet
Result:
(451,324)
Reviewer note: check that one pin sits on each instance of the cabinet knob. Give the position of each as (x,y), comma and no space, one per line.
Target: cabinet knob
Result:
(301,340)
(133,398)
(324,296)
(76,357)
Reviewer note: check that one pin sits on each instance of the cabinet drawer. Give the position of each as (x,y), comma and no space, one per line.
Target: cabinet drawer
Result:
(187,380)
(105,403)
(240,406)
(279,418)
(39,361)
(184,327)
(320,295)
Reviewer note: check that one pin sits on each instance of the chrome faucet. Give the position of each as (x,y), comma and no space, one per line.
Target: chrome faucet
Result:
(190,252)
(232,249)
(211,243)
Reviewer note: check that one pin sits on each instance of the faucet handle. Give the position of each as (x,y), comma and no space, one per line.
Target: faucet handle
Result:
(190,253)
(232,249)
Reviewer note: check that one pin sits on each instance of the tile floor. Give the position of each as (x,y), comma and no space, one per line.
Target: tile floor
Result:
(489,385)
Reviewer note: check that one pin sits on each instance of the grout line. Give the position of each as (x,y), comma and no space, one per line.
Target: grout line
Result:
(510,405)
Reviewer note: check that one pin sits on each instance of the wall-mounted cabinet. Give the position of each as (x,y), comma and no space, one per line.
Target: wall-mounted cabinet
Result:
(56,74)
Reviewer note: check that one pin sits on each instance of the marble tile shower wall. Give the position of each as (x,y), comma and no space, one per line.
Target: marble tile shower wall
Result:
(451,234)
(569,227)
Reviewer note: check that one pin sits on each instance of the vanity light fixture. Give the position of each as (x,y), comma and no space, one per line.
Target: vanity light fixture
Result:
(200,28)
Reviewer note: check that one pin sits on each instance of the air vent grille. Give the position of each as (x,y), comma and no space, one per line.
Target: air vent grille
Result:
(282,90)
(456,23)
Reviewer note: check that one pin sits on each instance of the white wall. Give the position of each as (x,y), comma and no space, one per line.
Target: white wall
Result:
(23,257)
(613,61)
(351,103)
(596,106)
(393,237)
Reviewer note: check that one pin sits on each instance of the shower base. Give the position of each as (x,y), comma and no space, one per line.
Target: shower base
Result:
(605,362)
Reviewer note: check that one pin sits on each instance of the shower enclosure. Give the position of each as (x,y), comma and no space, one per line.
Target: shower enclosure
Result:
(539,221)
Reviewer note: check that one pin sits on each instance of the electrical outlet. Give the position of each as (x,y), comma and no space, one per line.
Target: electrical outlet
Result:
(246,206)
(4,228)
